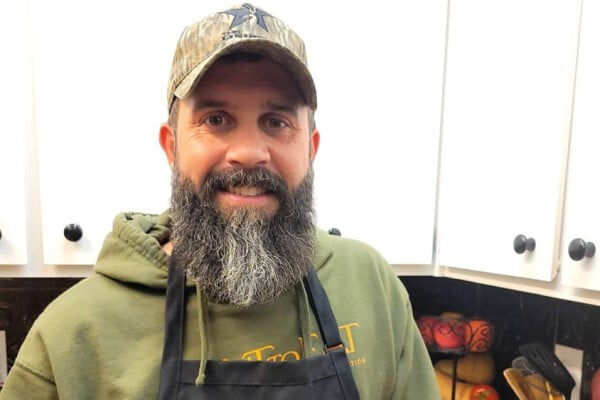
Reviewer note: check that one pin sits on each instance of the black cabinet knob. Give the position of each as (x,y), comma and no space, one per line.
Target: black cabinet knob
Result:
(0,234)
(335,231)
(523,243)
(73,232)
(579,248)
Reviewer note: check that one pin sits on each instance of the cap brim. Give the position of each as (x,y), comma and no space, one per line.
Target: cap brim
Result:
(271,49)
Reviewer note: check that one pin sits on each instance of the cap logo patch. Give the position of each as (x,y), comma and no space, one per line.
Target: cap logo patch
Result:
(247,12)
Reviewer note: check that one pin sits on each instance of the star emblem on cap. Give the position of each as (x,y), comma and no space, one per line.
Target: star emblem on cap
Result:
(245,13)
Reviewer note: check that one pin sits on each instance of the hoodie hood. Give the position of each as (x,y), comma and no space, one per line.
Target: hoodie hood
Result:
(132,252)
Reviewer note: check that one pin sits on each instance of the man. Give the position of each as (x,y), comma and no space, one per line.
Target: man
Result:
(259,303)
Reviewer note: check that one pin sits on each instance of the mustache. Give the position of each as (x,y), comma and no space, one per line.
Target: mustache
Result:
(257,177)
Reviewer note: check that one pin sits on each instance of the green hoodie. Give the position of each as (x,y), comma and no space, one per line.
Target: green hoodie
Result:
(103,338)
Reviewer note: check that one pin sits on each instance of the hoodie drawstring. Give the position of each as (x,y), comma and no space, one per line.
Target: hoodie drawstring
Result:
(203,322)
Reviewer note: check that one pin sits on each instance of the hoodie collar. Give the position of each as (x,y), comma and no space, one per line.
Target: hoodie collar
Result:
(133,252)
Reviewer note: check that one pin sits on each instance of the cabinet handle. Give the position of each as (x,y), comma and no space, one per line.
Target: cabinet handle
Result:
(579,248)
(335,231)
(522,243)
(0,234)
(73,232)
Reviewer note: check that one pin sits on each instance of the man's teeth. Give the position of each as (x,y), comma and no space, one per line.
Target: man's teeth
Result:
(246,190)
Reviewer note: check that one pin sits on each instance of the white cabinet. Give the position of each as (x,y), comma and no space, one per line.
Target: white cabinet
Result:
(16,118)
(582,208)
(100,75)
(508,96)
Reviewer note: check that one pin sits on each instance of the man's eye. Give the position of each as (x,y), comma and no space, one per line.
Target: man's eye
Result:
(276,123)
(215,120)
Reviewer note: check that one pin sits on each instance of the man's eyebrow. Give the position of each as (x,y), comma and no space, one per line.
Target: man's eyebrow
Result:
(282,107)
(211,103)
(208,103)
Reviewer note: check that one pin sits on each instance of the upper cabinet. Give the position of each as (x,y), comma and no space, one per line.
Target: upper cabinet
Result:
(507,108)
(15,114)
(497,80)
(379,73)
(580,267)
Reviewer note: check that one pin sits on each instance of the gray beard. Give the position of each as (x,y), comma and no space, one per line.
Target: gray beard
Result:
(242,256)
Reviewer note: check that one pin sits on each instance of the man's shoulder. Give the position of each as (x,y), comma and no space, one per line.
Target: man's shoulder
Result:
(57,327)
(81,301)
(351,253)
(354,263)
(354,247)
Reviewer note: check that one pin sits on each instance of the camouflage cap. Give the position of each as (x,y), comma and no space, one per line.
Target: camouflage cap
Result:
(242,28)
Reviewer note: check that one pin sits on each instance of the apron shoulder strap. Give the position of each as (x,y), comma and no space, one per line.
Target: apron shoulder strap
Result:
(321,308)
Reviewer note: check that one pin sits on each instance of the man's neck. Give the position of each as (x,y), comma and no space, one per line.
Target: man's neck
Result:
(168,247)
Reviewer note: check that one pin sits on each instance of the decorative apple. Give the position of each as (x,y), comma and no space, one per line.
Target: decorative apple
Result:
(483,392)
(426,324)
(449,334)
(479,335)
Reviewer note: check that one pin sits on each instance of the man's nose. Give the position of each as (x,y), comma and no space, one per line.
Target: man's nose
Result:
(248,149)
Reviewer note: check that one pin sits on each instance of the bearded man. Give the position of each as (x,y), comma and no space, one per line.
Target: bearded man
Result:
(232,293)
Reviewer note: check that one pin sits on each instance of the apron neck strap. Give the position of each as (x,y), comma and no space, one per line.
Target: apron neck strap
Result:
(173,343)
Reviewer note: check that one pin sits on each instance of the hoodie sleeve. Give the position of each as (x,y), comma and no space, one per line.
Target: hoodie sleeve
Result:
(416,378)
(31,376)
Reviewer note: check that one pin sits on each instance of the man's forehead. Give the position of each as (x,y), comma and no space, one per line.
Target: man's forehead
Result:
(201,102)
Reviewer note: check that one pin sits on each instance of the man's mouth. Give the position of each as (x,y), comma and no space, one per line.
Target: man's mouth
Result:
(247,196)
(251,191)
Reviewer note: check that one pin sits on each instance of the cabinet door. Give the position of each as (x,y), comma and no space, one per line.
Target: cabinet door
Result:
(508,96)
(14,114)
(582,199)
(101,71)
(379,72)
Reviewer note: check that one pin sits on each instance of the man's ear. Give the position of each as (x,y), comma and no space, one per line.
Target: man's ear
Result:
(315,139)
(167,139)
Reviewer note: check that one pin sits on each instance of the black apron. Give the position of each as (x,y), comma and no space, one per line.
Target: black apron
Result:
(326,376)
